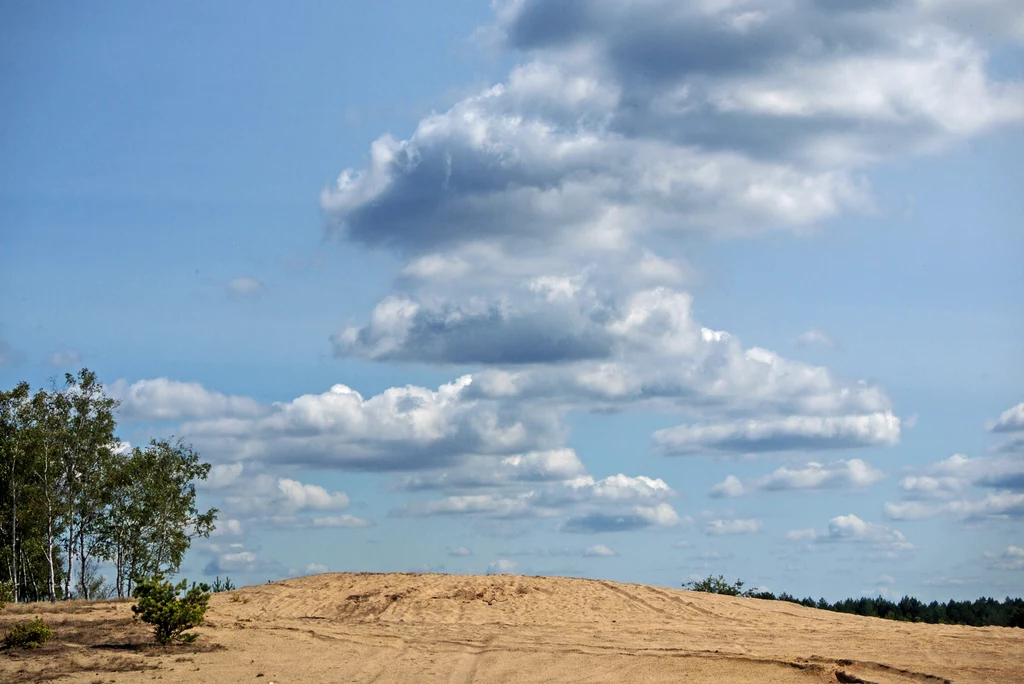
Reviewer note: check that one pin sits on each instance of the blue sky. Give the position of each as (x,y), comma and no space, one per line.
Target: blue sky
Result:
(636,292)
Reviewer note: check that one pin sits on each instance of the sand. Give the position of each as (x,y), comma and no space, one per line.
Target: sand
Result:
(449,628)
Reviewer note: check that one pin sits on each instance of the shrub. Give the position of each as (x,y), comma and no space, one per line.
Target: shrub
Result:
(226,585)
(6,593)
(716,585)
(161,606)
(29,634)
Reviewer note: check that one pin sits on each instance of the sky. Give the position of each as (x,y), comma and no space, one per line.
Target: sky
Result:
(636,291)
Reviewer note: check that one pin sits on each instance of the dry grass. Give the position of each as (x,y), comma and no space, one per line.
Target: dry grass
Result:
(72,607)
(89,637)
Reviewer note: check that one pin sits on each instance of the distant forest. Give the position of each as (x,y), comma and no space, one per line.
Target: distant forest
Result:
(983,612)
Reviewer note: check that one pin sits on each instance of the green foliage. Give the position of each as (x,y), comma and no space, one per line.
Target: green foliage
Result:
(226,585)
(29,634)
(983,612)
(716,585)
(6,593)
(171,608)
(71,497)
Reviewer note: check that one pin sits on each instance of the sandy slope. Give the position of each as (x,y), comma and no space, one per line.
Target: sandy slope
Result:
(443,628)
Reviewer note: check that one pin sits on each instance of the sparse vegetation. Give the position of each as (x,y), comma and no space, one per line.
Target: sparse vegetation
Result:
(171,608)
(219,586)
(28,634)
(717,585)
(983,612)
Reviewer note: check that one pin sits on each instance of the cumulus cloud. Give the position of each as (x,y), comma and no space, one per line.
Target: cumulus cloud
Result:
(850,528)
(476,331)
(954,486)
(490,505)
(502,566)
(639,518)
(295,495)
(1012,559)
(460,552)
(784,434)
(237,558)
(223,475)
(1010,420)
(729,527)
(671,116)
(402,428)
(261,500)
(641,500)
(228,528)
(477,471)
(595,551)
(345,520)
(599,551)
(163,399)
(316,569)
(853,473)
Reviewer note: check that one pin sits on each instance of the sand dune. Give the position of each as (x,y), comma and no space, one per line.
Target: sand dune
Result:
(444,628)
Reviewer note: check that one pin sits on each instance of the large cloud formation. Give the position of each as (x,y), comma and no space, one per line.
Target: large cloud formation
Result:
(679,117)
(545,226)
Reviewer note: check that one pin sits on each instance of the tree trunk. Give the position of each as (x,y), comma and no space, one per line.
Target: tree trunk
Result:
(70,549)
(14,533)
(51,589)
(84,560)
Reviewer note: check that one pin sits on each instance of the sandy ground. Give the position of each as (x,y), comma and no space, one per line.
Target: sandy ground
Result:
(441,628)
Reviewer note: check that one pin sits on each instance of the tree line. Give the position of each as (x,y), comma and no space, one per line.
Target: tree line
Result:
(74,495)
(983,612)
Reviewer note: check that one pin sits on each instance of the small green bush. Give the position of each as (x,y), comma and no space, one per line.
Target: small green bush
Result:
(717,585)
(161,606)
(29,634)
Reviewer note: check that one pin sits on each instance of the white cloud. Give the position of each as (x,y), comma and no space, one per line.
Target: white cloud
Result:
(489,505)
(1012,559)
(245,286)
(502,566)
(598,550)
(223,475)
(850,528)
(460,552)
(910,510)
(163,399)
(1010,420)
(298,496)
(729,527)
(228,528)
(316,569)
(638,518)
(345,520)
(478,471)
(951,487)
(782,434)
(409,428)
(853,473)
